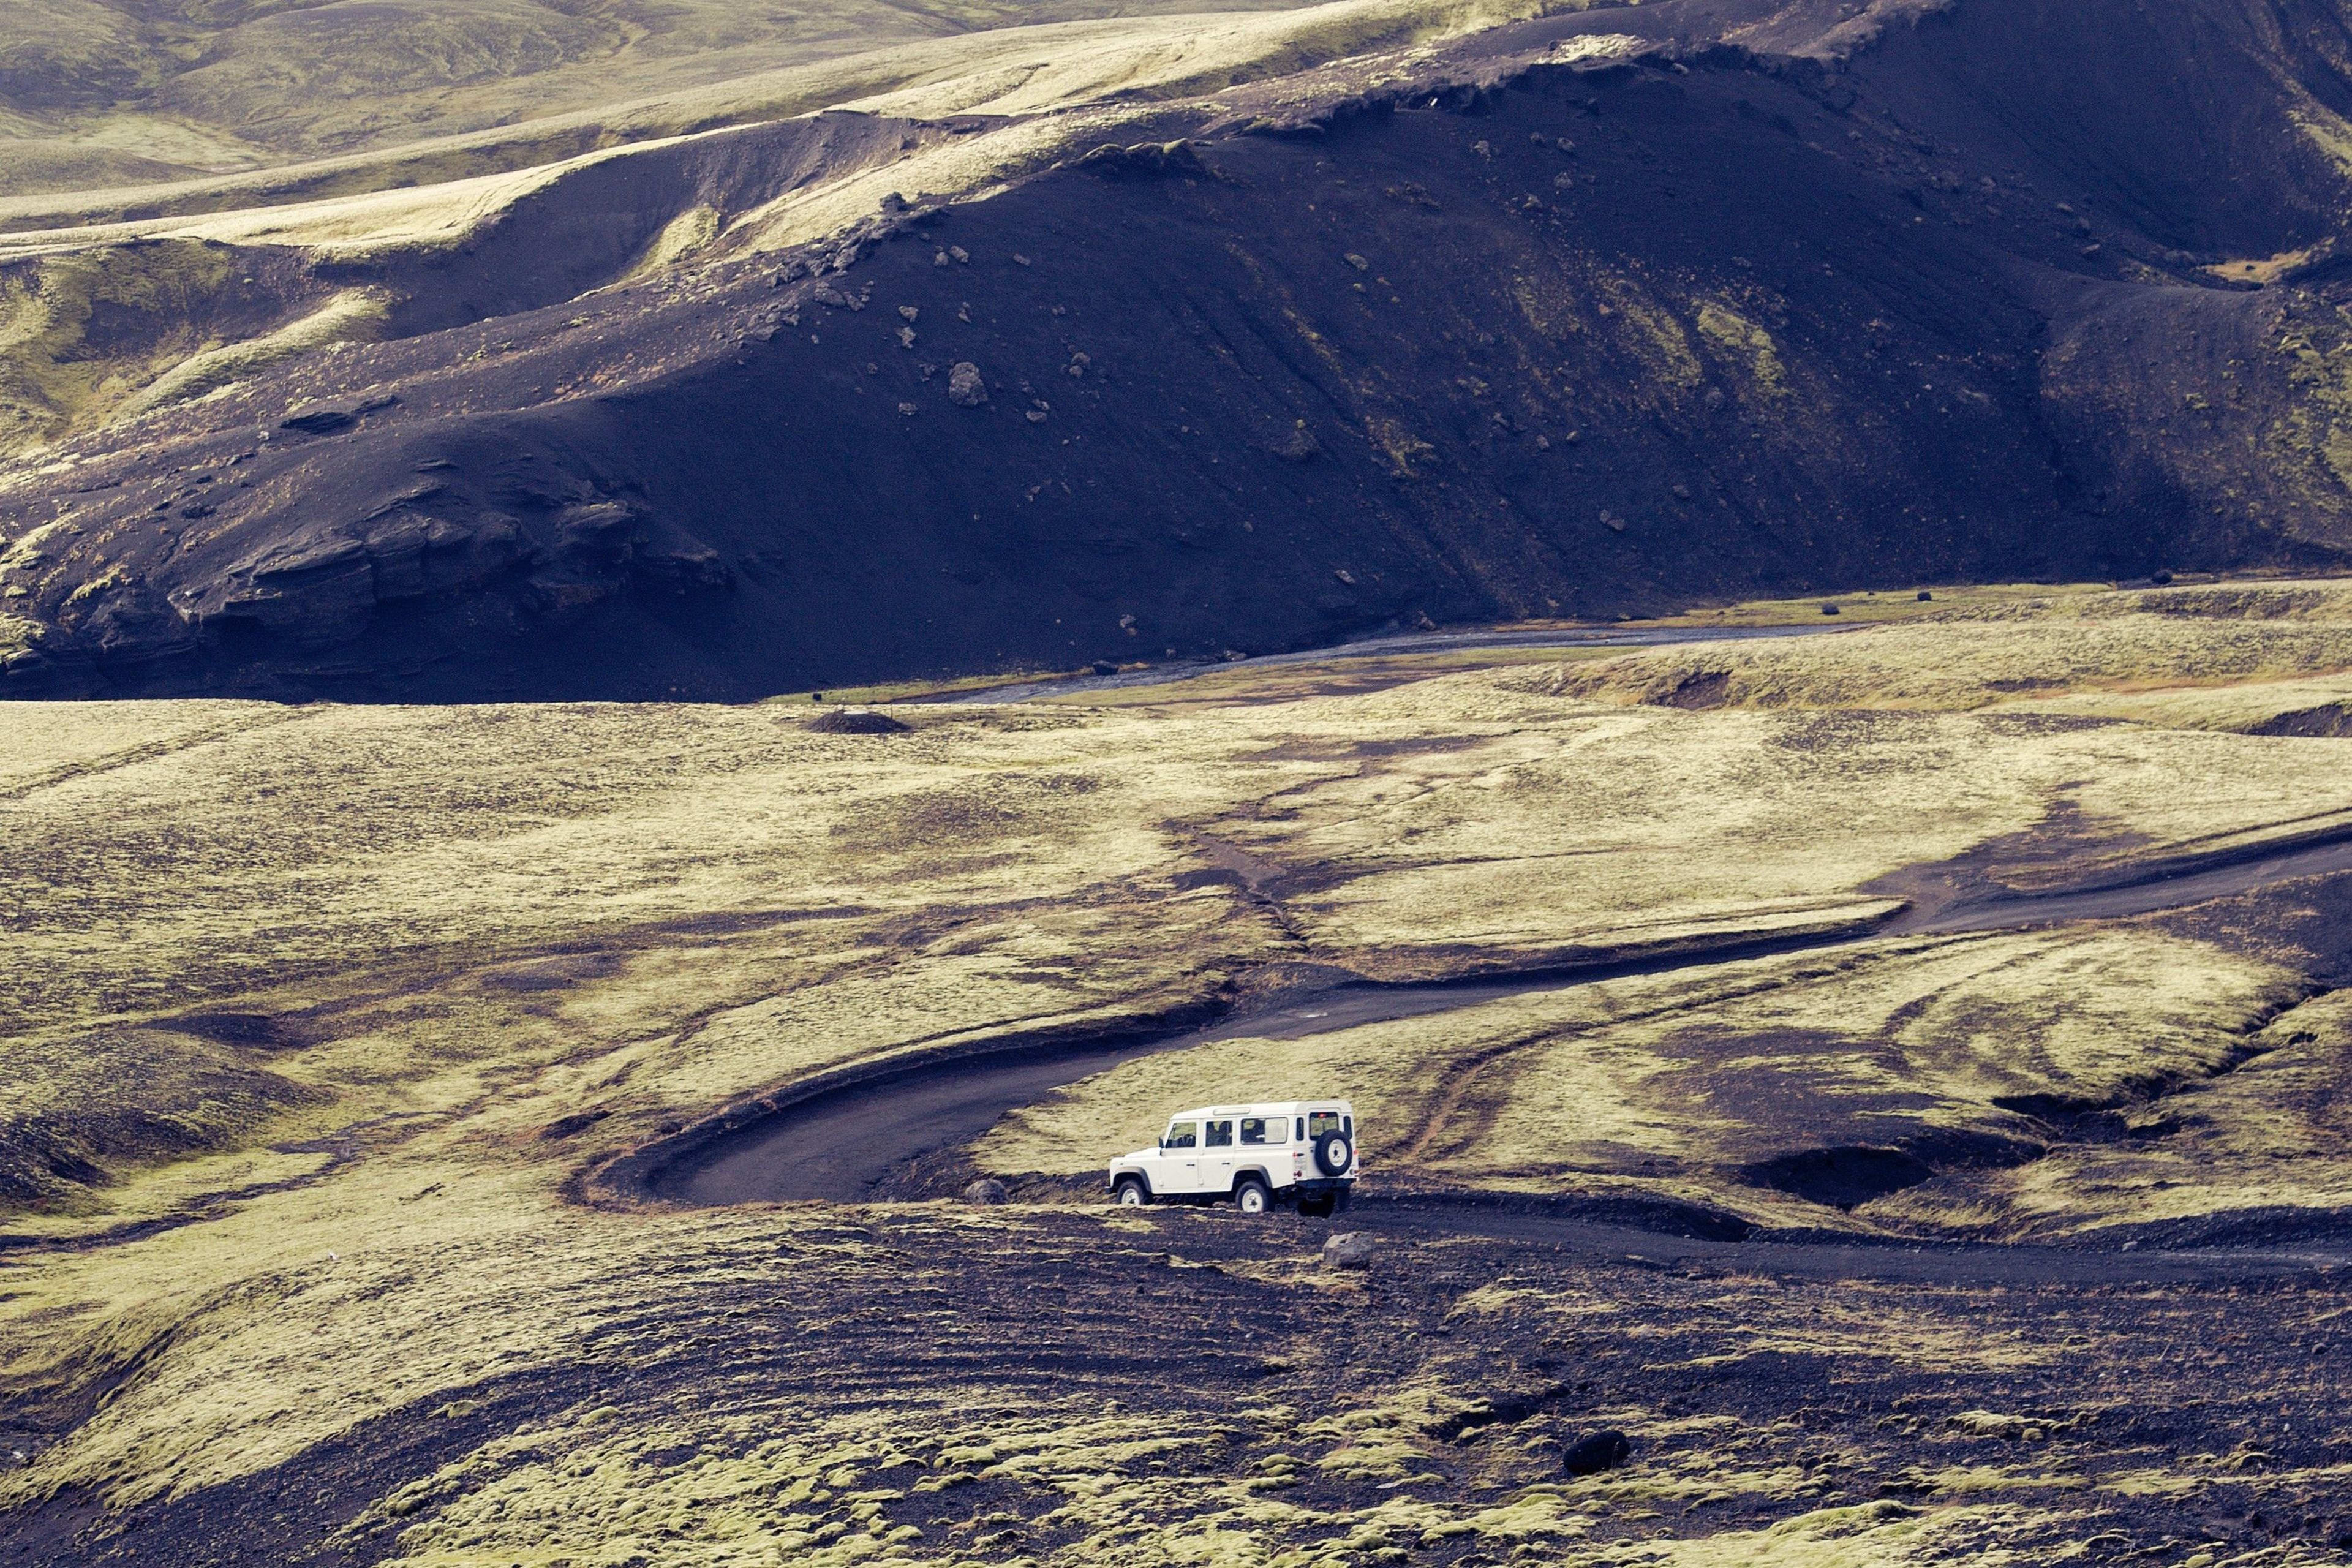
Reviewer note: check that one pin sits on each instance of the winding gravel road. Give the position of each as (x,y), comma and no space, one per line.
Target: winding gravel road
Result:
(838,1145)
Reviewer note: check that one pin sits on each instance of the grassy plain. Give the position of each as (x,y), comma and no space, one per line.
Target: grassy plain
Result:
(317,1014)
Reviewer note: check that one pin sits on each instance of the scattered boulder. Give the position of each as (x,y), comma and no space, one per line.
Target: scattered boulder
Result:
(1595,1452)
(857,721)
(965,388)
(1145,158)
(326,418)
(1348,1249)
(988,1189)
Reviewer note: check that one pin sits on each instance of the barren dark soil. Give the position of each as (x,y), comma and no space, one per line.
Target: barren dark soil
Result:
(1015,1389)
(1746,301)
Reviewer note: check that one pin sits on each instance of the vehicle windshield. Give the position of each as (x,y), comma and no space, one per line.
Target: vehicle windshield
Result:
(1220,1135)
(1181,1135)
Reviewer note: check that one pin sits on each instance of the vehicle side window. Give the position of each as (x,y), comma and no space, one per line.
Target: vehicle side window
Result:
(1300,1136)
(1261,1129)
(1181,1135)
(1347,1128)
(1319,1122)
(1220,1135)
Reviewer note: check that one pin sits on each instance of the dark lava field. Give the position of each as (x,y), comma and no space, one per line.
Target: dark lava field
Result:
(1600,314)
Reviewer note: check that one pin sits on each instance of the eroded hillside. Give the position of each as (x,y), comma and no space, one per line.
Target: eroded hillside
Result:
(1430,314)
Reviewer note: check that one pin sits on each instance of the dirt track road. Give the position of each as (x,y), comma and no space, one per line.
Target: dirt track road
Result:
(838,1145)
(1402,645)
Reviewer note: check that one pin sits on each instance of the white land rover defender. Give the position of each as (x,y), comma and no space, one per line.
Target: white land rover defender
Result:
(1300,1151)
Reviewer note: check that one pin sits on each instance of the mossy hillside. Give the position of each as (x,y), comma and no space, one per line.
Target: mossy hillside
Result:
(612,919)
(85,335)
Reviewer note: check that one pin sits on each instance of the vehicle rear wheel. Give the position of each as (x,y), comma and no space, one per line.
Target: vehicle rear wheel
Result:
(1251,1196)
(1131,1194)
(1316,1208)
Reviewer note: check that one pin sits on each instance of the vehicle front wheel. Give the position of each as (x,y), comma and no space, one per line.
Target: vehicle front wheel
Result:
(1130,1193)
(1251,1196)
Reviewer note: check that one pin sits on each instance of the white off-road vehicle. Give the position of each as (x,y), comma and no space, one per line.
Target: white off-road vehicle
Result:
(1297,1152)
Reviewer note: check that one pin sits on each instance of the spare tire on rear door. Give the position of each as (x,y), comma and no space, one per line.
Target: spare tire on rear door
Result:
(1332,1155)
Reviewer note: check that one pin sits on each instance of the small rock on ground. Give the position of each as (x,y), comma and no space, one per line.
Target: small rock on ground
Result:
(1348,1249)
(988,1190)
(965,389)
(857,721)
(1595,1452)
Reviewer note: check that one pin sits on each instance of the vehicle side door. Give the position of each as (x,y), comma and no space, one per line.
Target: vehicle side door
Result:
(1177,1168)
(1217,1155)
(1265,1145)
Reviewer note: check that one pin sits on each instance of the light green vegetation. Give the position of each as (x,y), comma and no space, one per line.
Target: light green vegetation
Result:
(347,996)
(354,315)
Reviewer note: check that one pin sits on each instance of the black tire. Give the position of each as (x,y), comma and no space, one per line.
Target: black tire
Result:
(1333,1154)
(1316,1208)
(1132,1193)
(1251,1196)
(1340,1199)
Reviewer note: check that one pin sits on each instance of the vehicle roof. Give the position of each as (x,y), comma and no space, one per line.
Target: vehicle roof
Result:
(1267,1108)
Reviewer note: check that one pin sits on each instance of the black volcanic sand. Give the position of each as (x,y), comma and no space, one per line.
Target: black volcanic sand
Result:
(1855,302)
(2047,1419)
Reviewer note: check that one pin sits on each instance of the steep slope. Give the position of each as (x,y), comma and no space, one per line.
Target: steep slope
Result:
(1586,314)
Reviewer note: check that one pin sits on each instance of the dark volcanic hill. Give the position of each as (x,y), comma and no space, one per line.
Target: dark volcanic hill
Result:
(1585,315)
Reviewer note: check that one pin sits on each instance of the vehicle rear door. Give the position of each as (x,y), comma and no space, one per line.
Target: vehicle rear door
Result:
(1319,1123)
